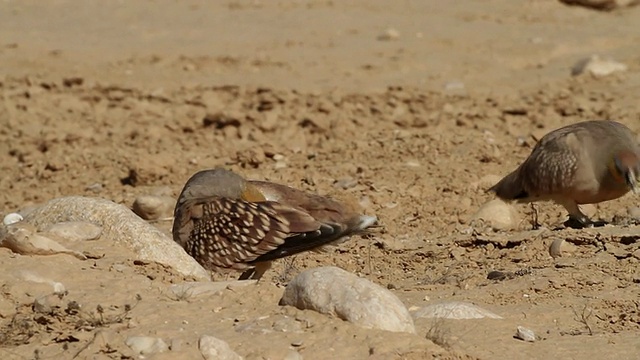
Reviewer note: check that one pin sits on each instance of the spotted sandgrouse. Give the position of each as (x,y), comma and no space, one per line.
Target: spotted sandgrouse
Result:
(584,163)
(227,222)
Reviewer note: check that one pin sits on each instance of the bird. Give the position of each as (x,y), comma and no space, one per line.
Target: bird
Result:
(586,162)
(226,222)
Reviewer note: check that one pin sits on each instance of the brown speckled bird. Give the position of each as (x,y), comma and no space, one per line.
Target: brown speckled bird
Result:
(227,222)
(584,163)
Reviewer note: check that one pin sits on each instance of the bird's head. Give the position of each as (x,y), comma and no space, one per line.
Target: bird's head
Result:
(216,182)
(625,168)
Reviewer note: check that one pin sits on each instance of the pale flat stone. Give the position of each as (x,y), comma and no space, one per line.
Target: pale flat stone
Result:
(333,291)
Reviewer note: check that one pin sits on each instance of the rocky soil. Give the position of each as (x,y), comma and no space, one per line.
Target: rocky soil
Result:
(410,108)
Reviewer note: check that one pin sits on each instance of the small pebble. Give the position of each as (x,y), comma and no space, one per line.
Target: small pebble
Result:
(58,288)
(46,303)
(597,66)
(498,214)
(145,345)
(634,212)
(23,239)
(188,290)
(455,310)
(11,219)
(297,343)
(213,348)
(497,275)
(602,5)
(75,230)
(555,248)
(560,248)
(287,324)
(346,183)
(389,34)
(564,263)
(525,334)
(96,188)
(152,207)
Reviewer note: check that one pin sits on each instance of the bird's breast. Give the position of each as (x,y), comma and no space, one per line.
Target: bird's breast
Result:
(592,197)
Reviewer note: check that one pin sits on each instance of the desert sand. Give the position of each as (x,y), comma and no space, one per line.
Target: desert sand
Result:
(408,107)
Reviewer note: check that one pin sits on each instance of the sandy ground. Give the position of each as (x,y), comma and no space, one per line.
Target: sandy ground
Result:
(405,106)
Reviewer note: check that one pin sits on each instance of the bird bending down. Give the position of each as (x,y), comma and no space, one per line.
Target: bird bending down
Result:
(227,222)
(584,163)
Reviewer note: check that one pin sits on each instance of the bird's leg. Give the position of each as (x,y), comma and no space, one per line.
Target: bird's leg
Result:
(255,273)
(247,274)
(260,269)
(535,224)
(577,219)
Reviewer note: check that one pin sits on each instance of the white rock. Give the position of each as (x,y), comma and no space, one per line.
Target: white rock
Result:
(58,288)
(152,207)
(559,248)
(555,249)
(597,66)
(187,290)
(45,304)
(22,239)
(525,334)
(213,348)
(333,291)
(145,345)
(498,214)
(121,225)
(389,34)
(454,310)
(75,230)
(12,218)
(634,212)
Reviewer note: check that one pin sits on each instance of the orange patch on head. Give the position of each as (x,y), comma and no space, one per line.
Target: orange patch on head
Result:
(252,194)
(625,161)
(628,159)
(615,172)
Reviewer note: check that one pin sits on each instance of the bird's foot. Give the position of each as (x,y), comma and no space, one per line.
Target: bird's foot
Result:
(583,222)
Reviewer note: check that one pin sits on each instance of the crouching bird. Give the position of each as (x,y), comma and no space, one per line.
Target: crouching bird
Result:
(227,222)
(583,163)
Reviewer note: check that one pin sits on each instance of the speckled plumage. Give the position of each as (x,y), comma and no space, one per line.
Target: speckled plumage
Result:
(582,163)
(227,222)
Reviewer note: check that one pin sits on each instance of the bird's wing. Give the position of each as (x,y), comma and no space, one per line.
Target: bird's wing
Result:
(322,208)
(552,165)
(233,233)
(305,232)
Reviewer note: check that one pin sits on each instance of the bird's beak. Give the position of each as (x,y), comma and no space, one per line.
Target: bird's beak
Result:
(633,182)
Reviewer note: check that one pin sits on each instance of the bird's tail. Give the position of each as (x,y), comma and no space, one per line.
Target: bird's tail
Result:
(509,188)
(359,225)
